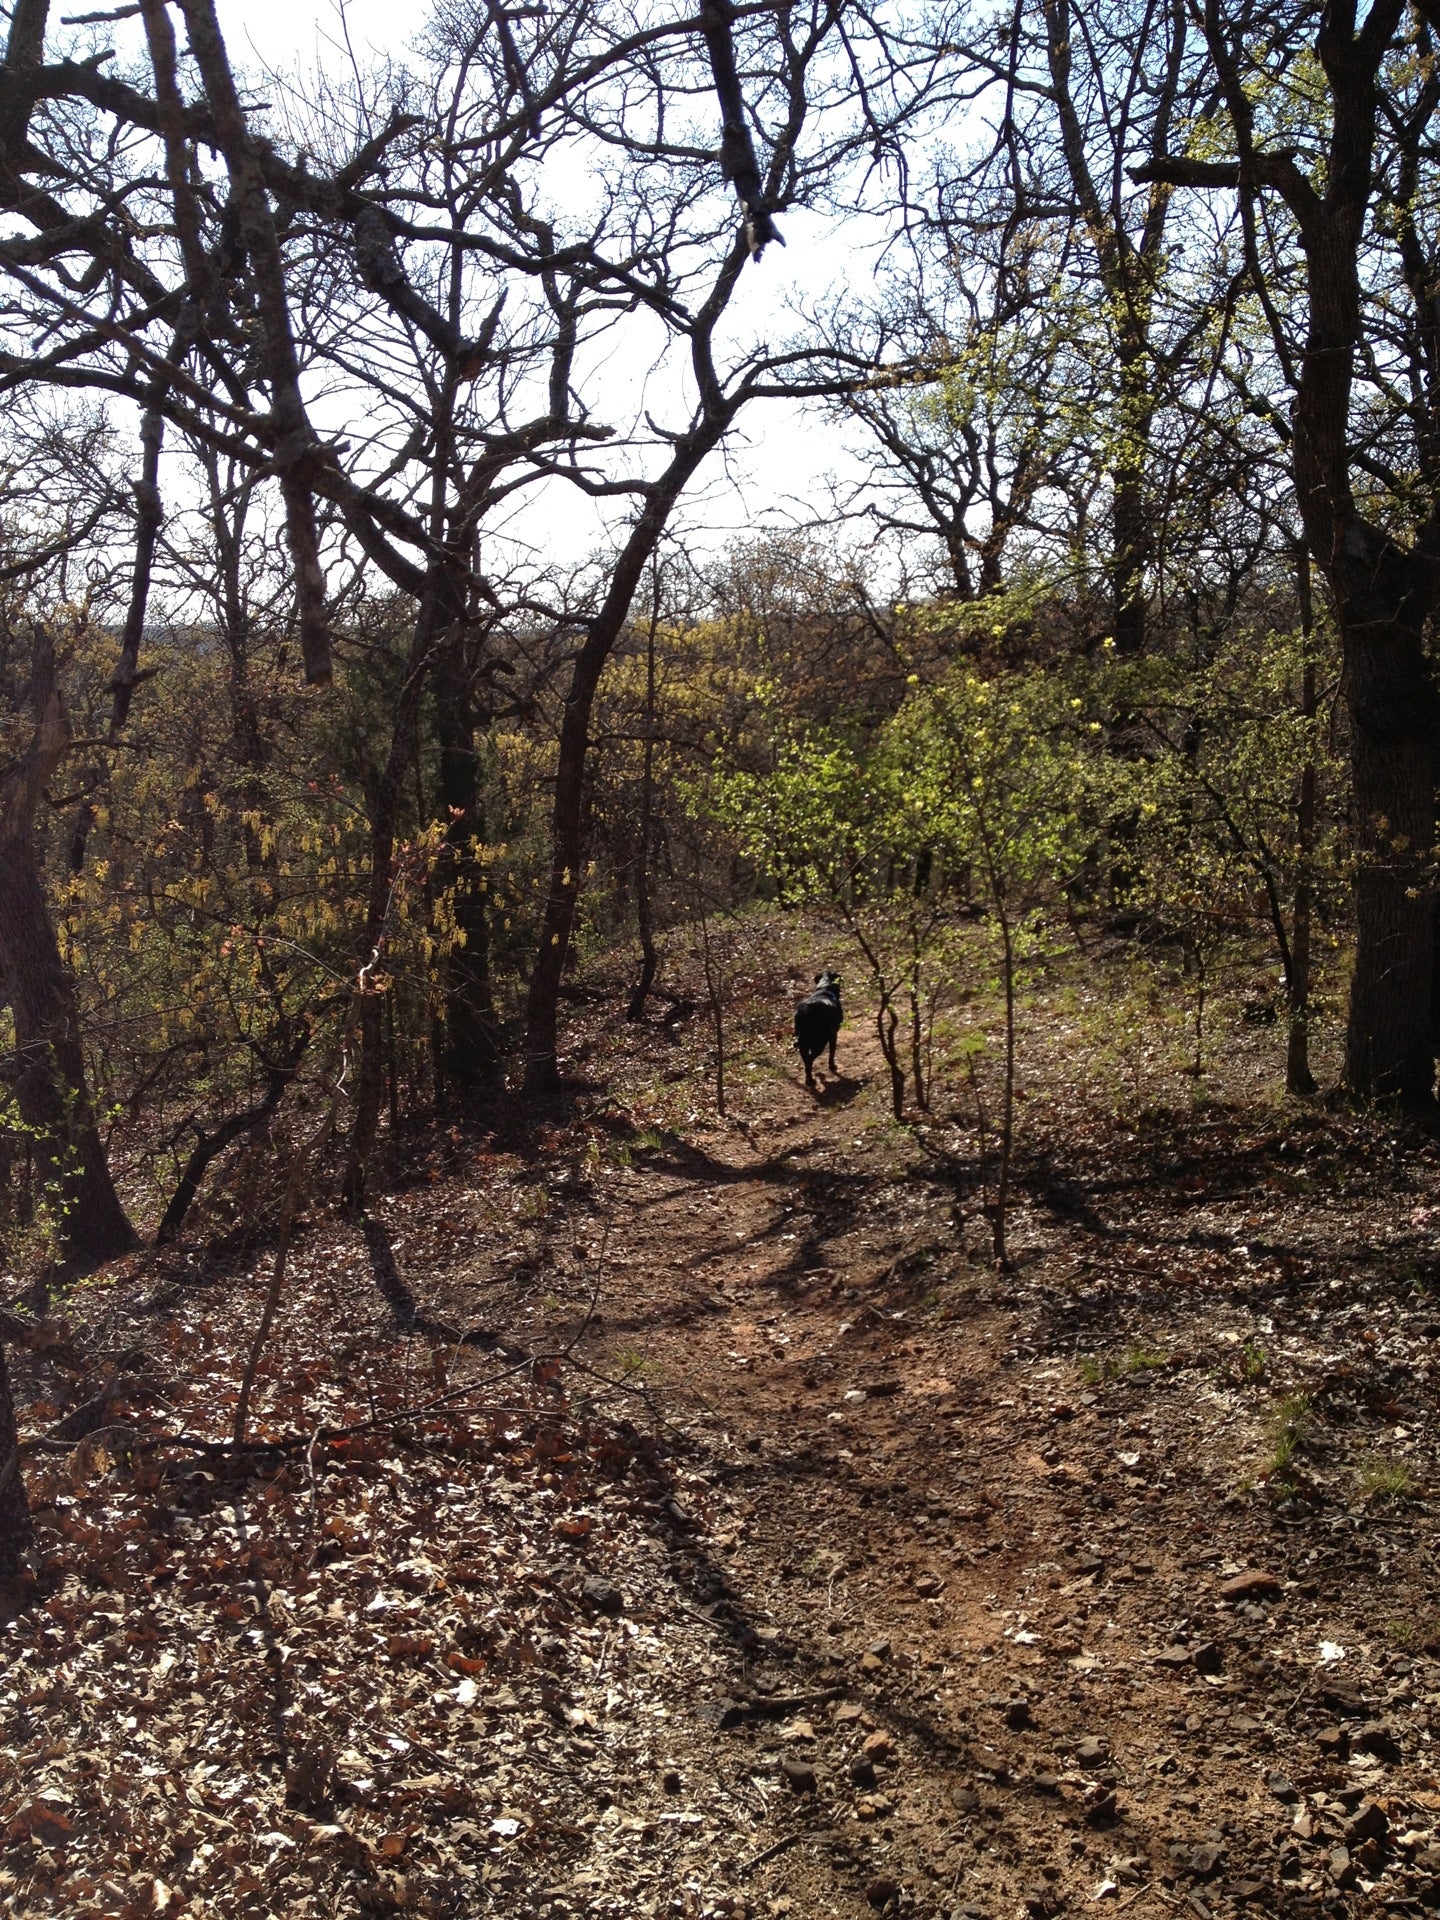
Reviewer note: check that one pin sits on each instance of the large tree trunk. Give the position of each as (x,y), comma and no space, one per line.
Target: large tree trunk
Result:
(49,1073)
(1299,1080)
(1383,594)
(1388,1042)
(1383,597)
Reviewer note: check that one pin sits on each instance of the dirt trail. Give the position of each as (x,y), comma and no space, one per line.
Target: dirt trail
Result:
(992,1594)
(819,1571)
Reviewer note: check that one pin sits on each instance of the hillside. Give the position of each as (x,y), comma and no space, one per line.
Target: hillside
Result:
(655,1515)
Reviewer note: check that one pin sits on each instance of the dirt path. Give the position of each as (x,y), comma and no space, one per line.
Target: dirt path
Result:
(818,1571)
(1029,1643)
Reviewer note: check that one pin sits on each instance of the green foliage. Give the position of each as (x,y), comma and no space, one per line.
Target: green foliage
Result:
(1285,1432)
(1382,1478)
(1207,838)
(1095,1369)
(966,804)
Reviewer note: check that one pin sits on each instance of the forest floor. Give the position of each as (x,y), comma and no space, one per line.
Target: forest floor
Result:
(669,1516)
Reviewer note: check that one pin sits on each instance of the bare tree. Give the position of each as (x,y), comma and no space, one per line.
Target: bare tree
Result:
(813,132)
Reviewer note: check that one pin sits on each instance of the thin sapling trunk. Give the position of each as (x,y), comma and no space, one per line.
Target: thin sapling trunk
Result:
(1299,1080)
(887,1022)
(715,996)
(649,958)
(1007,1105)
(15,1529)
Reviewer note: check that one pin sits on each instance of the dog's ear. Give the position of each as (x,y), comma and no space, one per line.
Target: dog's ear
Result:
(818,978)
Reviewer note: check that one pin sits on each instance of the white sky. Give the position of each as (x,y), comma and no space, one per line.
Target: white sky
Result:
(779,462)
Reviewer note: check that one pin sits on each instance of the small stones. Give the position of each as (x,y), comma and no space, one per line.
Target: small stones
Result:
(1379,1738)
(929,1586)
(1173,1659)
(671,1781)
(1017,1714)
(1343,1699)
(965,1800)
(798,1775)
(1203,1861)
(1102,1809)
(881,1891)
(1092,1751)
(1282,1787)
(1208,1658)
(1045,1782)
(862,1773)
(602,1596)
(1252,1585)
(1368,1822)
(878,1746)
(1333,1742)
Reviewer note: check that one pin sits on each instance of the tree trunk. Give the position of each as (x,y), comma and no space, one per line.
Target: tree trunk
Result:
(1383,597)
(886,1023)
(715,994)
(1007,1110)
(1132,542)
(49,1075)
(15,1529)
(469,1052)
(1299,1080)
(567,834)
(384,816)
(649,958)
(1388,1044)
(209,1146)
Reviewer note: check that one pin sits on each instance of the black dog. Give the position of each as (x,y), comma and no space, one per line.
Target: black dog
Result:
(817,1022)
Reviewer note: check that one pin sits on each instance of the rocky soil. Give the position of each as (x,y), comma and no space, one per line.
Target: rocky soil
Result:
(656,1515)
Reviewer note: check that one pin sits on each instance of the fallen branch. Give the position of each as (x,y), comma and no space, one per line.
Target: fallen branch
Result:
(770,1853)
(209,1146)
(299,1442)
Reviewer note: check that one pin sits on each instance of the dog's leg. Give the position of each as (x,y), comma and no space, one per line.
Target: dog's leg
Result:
(833,1068)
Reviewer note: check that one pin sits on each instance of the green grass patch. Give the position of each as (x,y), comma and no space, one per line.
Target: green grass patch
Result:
(1096,1368)
(1381,1478)
(1286,1431)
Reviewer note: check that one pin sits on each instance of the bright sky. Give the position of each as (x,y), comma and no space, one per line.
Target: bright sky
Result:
(779,465)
